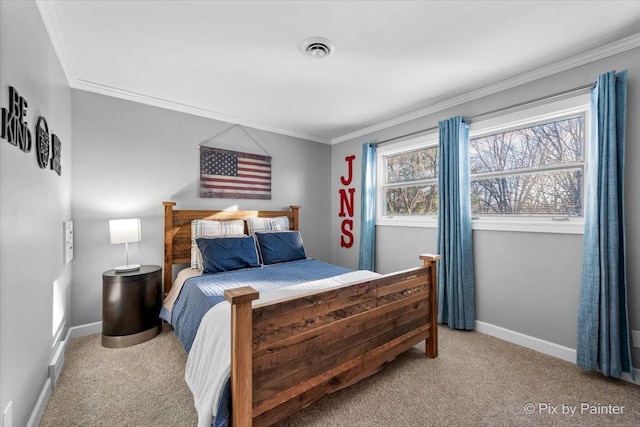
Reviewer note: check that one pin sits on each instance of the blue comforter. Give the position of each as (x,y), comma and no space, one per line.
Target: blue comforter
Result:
(200,293)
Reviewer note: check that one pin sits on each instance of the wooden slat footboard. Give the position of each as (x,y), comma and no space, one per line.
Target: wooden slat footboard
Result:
(289,353)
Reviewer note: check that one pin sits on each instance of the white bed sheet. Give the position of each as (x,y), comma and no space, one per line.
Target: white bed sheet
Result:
(209,362)
(182,276)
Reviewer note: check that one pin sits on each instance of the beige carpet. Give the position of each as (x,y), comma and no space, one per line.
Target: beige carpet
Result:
(476,380)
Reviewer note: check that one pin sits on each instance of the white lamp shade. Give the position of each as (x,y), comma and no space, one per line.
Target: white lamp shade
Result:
(125,230)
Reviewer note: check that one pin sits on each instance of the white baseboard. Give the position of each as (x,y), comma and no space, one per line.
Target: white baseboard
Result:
(546,347)
(56,363)
(47,389)
(542,346)
(84,330)
(41,404)
(59,334)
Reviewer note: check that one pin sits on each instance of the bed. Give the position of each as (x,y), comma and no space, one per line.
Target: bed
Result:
(289,347)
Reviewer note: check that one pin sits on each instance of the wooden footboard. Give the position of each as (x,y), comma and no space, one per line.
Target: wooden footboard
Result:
(289,353)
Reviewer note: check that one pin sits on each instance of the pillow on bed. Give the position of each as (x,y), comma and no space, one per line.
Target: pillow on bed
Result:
(280,246)
(279,223)
(228,253)
(208,228)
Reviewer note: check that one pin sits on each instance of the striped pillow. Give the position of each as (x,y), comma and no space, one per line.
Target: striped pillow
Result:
(203,228)
(279,223)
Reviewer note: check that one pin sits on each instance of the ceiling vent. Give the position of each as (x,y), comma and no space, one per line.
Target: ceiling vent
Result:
(317,47)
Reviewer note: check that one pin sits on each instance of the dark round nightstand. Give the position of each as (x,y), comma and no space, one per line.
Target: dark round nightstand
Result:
(131,304)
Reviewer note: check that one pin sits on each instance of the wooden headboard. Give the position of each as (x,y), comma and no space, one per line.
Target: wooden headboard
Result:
(177,231)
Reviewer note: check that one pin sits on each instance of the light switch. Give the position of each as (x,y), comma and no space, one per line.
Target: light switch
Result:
(68,241)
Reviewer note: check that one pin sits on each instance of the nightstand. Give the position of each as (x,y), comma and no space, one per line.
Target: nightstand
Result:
(131,304)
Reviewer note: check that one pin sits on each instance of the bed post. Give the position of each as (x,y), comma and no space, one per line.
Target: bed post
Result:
(168,245)
(241,354)
(431,344)
(295,212)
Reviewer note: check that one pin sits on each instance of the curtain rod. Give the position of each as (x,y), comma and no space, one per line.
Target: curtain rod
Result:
(498,110)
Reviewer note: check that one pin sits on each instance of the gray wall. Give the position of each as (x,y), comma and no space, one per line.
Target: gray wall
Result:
(34,203)
(525,282)
(129,157)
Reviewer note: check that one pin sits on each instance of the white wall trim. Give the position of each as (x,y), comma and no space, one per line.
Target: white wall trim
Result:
(41,404)
(90,86)
(526,76)
(84,330)
(47,389)
(61,329)
(51,23)
(551,349)
(50,18)
(546,347)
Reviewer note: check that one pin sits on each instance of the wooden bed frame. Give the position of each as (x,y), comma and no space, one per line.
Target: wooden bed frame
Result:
(177,231)
(289,353)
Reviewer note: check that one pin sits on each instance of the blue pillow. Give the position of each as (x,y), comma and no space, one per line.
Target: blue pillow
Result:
(280,246)
(228,253)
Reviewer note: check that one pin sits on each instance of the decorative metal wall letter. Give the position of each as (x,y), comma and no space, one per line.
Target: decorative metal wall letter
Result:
(346,205)
(15,130)
(55,159)
(42,142)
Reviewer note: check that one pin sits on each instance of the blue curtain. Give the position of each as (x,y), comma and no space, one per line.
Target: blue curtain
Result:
(456,295)
(603,326)
(368,209)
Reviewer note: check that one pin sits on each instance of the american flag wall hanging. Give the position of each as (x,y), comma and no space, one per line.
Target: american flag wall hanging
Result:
(233,175)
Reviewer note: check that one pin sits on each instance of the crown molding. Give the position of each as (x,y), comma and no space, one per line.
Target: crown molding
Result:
(515,80)
(188,109)
(49,16)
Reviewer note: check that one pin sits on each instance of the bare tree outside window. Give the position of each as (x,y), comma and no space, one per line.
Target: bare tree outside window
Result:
(536,170)
(412,183)
(532,171)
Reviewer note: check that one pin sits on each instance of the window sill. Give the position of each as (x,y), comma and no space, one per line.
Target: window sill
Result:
(528,225)
(408,221)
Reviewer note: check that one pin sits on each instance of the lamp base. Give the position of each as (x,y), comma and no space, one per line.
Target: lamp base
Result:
(126,268)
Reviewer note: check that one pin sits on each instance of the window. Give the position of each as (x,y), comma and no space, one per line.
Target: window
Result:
(535,170)
(411,183)
(408,182)
(527,172)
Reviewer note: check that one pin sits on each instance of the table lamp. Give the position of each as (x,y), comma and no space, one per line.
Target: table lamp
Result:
(125,231)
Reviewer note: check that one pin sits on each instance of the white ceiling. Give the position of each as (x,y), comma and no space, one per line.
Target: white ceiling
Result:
(239,61)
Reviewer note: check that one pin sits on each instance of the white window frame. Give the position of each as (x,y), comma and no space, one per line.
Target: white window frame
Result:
(425,141)
(522,117)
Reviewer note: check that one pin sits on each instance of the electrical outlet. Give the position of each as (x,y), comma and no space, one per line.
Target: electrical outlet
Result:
(635,338)
(7,416)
